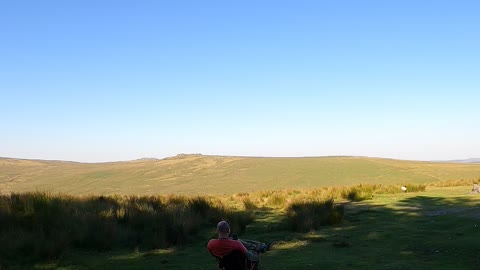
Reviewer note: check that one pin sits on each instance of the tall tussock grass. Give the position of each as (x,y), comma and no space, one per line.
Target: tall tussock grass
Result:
(306,216)
(36,226)
(455,182)
(283,198)
(358,193)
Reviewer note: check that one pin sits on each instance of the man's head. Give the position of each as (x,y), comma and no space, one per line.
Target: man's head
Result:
(223,228)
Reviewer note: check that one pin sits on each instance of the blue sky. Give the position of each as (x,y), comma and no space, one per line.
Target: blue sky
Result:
(119,80)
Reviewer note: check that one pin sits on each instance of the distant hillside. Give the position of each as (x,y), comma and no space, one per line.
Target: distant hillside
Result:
(198,174)
(469,160)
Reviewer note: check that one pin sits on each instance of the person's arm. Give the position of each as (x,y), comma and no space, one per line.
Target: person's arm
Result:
(240,246)
(250,256)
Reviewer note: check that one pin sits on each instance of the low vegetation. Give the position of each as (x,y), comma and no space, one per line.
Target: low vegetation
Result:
(284,198)
(455,183)
(37,226)
(41,226)
(310,215)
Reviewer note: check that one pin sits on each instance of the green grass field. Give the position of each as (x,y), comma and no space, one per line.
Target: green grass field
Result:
(436,229)
(197,174)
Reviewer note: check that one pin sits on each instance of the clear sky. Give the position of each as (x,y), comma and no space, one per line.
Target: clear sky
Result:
(118,80)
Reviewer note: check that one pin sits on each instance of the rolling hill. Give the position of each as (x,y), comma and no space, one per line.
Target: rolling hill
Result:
(199,174)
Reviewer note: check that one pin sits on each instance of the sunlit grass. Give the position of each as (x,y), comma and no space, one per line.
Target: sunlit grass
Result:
(214,175)
(285,245)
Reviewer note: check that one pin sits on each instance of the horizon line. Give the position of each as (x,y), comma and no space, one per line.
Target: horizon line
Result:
(466,160)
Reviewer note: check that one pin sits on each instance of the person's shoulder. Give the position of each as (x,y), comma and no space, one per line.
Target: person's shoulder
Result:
(212,241)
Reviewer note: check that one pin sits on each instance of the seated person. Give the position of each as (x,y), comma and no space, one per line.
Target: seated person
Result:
(224,245)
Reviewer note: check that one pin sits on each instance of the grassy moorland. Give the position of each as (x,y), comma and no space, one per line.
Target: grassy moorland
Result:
(370,227)
(114,216)
(201,175)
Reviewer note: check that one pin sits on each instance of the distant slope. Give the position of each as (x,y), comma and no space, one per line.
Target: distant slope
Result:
(197,174)
(469,160)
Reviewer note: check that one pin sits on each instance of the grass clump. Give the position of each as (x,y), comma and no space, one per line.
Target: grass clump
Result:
(249,204)
(416,187)
(277,200)
(358,193)
(310,215)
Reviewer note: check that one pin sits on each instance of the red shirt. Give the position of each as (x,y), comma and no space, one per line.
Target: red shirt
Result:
(222,247)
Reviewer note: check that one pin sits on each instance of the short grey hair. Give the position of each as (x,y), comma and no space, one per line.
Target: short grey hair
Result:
(223,227)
